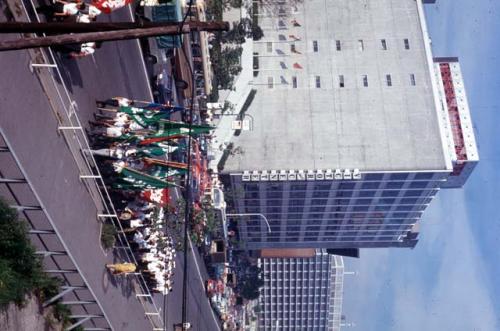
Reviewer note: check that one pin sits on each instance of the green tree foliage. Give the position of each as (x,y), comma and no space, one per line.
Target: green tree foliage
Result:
(20,269)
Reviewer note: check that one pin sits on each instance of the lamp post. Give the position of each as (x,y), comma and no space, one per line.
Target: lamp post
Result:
(254,214)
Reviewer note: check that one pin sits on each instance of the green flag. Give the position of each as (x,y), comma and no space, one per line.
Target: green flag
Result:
(139,180)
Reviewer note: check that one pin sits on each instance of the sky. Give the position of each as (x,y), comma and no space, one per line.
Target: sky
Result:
(451,280)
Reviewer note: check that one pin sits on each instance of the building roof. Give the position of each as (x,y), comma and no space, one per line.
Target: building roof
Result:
(374,128)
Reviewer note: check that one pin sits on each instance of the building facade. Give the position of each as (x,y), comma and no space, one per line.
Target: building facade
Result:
(351,135)
(302,293)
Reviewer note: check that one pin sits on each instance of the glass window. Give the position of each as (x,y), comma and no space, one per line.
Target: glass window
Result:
(292,48)
(363,201)
(318,81)
(370,185)
(413,193)
(341,81)
(269,47)
(374,176)
(383,44)
(318,209)
(318,202)
(321,194)
(409,201)
(388,80)
(270,82)
(394,185)
(338,45)
(294,81)
(418,184)
(390,193)
(315,46)
(367,193)
(424,175)
(412,80)
(297,194)
(365,80)
(346,186)
(361,45)
(399,176)
(407,44)
(361,208)
(387,201)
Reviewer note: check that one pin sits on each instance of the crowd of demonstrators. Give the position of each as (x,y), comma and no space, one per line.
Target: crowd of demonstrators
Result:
(79,12)
(133,143)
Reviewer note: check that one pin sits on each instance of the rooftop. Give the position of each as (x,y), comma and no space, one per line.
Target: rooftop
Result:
(373,128)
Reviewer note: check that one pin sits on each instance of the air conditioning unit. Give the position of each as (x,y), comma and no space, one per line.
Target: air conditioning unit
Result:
(283,175)
(338,174)
(320,175)
(264,176)
(273,176)
(255,176)
(246,176)
(329,174)
(310,175)
(292,175)
(356,174)
(347,174)
(301,175)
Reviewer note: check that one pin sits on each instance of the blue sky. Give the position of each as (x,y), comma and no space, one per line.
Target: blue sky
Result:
(451,280)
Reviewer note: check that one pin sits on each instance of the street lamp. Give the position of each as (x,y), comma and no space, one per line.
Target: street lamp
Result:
(255,214)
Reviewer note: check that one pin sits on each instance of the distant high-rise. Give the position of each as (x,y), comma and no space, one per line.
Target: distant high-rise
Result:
(302,293)
(354,132)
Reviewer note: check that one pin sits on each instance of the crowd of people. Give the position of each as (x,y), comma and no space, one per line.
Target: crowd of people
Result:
(134,144)
(79,12)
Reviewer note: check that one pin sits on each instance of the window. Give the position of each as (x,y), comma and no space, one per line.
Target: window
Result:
(269,47)
(318,81)
(338,45)
(270,82)
(341,81)
(315,46)
(388,80)
(412,79)
(407,44)
(292,48)
(383,43)
(294,81)
(424,175)
(361,46)
(365,80)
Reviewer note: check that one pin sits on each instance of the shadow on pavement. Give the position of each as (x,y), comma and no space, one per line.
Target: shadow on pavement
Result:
(70,71)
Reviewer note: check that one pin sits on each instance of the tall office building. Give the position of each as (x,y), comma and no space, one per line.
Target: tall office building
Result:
(302,293)
(354,127)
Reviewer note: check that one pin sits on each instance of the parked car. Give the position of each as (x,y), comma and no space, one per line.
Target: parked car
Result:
(163,85)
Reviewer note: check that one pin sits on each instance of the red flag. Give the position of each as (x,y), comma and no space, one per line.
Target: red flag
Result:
(107,6)
(160,196)
(297,66)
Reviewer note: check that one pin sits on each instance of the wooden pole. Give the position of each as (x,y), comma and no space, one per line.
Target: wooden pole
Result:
(135,33)
(72,27)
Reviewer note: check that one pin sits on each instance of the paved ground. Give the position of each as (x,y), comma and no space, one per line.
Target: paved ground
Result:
(28,118)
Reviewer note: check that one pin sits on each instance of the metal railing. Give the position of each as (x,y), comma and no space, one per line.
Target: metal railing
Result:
(73,288)
(75,136)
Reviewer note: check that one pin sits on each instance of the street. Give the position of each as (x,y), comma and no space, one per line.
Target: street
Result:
(30,118)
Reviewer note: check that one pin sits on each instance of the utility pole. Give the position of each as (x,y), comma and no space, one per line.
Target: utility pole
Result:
(130,33)
(73,27)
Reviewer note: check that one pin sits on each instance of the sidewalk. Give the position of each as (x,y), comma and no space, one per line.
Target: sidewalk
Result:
(237,97)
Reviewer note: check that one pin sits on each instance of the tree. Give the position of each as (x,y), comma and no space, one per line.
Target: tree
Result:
(257,32)
(20,269)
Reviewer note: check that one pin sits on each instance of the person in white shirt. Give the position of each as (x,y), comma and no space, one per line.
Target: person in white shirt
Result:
(61,9)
